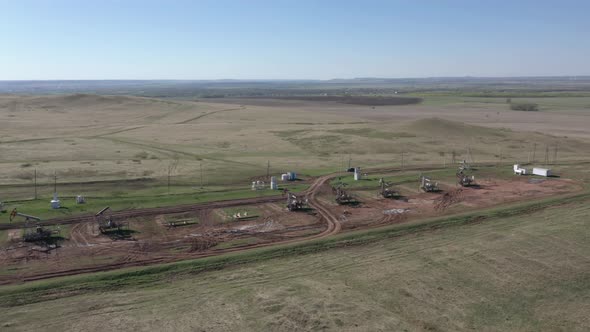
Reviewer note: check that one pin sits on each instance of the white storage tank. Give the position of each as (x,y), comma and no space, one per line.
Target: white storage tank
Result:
(542,171)
(273,183)
(357,174)
(55,203)
(285,177)
(80,199)
(292,176)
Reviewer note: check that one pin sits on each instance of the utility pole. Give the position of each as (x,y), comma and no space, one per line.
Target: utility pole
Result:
(529,158)
(349,160)
(555,154)
(534,151)
(470,155)
(35,182)
(546,155)
(268,170)
(54,181)
(201,165)
(169,170)
(402,159)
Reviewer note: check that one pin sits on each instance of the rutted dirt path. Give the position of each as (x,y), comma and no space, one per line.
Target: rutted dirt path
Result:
(135,257)
(333,223)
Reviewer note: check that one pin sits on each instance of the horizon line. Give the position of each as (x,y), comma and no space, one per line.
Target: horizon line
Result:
(298,79)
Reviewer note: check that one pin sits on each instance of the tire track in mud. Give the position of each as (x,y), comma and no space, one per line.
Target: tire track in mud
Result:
(77,236)
(334,225)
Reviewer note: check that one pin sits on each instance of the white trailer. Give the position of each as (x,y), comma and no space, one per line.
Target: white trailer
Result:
(542,171)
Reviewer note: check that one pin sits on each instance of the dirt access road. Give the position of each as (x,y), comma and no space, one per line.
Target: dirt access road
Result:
(136,257)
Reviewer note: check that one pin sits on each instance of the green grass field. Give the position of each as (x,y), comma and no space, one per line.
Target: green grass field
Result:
(40,207)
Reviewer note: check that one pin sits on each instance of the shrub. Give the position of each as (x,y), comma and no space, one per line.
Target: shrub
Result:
(141,155)
(528,107)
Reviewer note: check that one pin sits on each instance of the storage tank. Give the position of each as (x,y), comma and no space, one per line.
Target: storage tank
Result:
(357,174)
(273,183)
(253,185)
(285,177)
(55,203)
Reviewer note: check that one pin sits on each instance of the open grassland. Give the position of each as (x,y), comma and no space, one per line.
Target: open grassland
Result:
(96,139)
(524,268)
(120,150)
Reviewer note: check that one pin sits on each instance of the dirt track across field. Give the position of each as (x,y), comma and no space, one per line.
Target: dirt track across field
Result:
(85,242)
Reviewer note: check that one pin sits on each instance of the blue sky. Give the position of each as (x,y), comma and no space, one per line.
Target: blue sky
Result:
(297,39)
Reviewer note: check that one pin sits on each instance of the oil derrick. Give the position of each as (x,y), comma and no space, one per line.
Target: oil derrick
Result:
(342,197)
(427,185)
(33,233)
(386,190)
(465,180)
(295,202)
(105,222)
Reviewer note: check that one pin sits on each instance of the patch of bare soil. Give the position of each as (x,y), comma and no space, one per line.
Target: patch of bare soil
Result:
(378,211)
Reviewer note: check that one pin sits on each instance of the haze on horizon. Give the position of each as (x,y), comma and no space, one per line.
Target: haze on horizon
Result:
(66,39)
